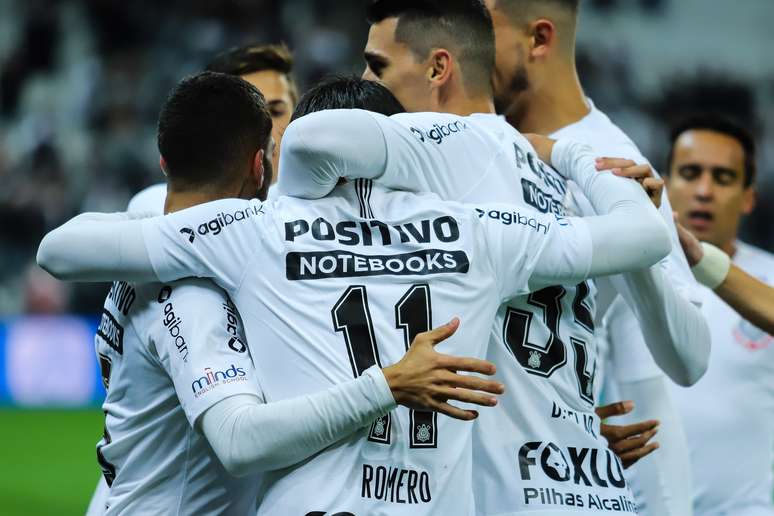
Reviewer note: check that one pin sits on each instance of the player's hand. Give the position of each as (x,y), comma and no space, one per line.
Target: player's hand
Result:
(426,380)
(629,442)
(692,248)
(543,145)
(643,174)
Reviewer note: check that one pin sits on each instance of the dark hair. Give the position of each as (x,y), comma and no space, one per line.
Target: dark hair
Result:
(256,58)
(718,124)
(211,125)
(348,92)
(462,26)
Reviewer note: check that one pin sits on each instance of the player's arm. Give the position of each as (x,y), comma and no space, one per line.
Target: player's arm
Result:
(203,241)
(321,148)
(750,297)
(671,325)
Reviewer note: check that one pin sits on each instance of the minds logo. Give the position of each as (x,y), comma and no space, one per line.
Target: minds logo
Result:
(212,379)
(221,220)
(438,131)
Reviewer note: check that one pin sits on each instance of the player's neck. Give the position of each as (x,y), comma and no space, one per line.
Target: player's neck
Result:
(729,247)
(557,103)
(462,105)
(177,200)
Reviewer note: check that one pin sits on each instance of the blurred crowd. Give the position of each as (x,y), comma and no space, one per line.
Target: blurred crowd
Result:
(81,82)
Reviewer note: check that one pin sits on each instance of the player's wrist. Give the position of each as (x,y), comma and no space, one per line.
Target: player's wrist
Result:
(713,267)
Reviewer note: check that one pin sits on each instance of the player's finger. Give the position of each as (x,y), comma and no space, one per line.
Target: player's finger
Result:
(655,188)
(456,413)
(630,458)
(634,172)
(632,443)
(611,163)
(615,409)
(473,383)
(471,365)
(467,396)
(626,431)
(440,333)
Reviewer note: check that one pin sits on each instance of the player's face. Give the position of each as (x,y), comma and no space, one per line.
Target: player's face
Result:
(394,65)
(510,78)
(276,89)
(706,185)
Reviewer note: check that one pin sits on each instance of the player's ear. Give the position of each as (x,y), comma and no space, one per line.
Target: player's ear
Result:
(749,200)
(439,70)
(163,165)
(542,37)
(257,170)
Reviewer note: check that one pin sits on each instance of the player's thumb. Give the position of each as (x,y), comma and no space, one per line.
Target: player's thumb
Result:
(615,409)
(443,332)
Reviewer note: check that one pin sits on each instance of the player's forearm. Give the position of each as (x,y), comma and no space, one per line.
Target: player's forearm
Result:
(321,148)
(662,479)
(673,328)
(248,436)
(97,247)
(751,298)
(629,233)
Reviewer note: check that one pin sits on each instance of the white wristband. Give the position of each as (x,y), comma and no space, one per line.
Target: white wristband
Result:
(713,268)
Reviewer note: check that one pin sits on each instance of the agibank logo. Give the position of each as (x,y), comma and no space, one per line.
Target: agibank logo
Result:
(221,220)
(212,379)
(438,132)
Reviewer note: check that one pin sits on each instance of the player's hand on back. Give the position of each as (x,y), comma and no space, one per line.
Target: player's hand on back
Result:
(629,442)
(643,174)
(427,380)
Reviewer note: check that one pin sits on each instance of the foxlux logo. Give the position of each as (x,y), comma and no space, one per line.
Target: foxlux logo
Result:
(439,131)
(213,378)
(221,220)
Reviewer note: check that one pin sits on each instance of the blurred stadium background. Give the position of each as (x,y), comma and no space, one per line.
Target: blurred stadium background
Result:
(81,82)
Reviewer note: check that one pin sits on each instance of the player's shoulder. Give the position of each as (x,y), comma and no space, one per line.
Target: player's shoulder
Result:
(755,261)
(149,200)
(436,128)
(224,215)
(194,296)
(602,135)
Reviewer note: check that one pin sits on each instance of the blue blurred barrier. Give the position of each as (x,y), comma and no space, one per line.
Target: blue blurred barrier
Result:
(49,362)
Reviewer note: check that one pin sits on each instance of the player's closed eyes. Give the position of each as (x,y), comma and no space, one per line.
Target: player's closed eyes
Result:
(724,176)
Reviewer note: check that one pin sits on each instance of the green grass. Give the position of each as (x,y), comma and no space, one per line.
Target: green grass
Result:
(48,461)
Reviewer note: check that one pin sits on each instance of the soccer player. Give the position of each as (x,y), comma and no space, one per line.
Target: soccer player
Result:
(332,287)
(538,89)
(712,186)
(175,361)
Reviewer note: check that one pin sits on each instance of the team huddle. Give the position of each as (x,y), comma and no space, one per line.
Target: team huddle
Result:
(406,300)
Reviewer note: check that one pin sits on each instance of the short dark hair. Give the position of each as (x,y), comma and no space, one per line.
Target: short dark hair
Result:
(348,92)
(257,58)
(722,125)
(463,26)
(211,125)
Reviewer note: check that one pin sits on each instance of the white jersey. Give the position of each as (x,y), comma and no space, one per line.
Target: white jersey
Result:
(540,449)
(729,414)
(167,353)
(331,287)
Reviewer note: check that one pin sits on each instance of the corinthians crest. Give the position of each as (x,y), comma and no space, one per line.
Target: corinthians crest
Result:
(751,337)
(534,359)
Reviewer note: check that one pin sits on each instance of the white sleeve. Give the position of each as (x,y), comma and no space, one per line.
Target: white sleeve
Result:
(419,152)
(530,250)
(97,247)
(662,480)
(628,233)
(630,357)
(215,239)
(248,436)
(199,339)
(671,327)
